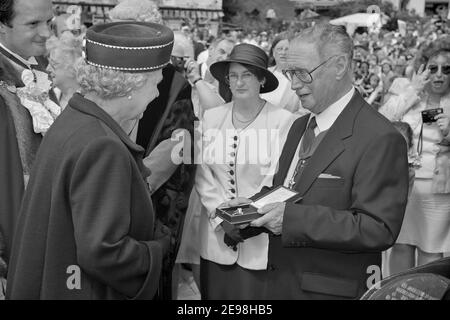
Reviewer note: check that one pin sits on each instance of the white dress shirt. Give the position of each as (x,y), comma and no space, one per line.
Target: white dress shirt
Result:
(324,122)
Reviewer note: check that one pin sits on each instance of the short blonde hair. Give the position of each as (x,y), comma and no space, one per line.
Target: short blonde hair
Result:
(108,83)
(136,10)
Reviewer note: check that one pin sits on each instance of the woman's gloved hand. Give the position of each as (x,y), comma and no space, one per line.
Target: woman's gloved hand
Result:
(232,235)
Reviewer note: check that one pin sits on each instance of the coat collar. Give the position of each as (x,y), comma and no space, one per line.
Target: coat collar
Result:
(81,104)
(332,144)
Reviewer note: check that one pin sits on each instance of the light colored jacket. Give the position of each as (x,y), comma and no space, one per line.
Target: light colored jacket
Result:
(255,154)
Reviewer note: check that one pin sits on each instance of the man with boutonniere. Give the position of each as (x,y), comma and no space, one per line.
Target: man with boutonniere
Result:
(26,110)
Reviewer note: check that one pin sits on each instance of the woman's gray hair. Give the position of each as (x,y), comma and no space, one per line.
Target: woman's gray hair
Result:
(108,83)
(329,39)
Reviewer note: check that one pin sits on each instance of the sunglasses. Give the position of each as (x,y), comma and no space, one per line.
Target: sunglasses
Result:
(445,69)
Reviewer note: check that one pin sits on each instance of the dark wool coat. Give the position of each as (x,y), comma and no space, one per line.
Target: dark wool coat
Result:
(86,208)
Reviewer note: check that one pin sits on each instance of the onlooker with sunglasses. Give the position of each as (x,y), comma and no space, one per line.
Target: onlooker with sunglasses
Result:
(426,227)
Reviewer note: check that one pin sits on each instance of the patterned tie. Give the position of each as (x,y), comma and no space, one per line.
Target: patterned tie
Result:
(308,138)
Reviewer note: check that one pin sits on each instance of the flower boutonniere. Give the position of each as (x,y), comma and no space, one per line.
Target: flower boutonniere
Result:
(35,97)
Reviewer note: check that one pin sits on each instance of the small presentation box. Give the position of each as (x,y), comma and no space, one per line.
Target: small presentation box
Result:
(246,213)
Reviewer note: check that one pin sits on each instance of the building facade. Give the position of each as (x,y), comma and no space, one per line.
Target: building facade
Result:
(204,13)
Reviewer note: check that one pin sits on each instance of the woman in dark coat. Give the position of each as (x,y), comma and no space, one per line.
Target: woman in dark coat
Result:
(86,228)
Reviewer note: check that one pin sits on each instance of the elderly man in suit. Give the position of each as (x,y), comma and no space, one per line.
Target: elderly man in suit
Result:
(24,29)
(350,166)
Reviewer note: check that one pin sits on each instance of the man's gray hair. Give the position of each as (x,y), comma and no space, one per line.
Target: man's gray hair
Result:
(329,39)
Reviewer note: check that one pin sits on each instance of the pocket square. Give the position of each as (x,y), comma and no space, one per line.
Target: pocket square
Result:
(328,176)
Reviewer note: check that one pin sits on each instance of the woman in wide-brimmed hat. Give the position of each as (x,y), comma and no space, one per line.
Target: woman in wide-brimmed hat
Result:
(242,141)
(86,228)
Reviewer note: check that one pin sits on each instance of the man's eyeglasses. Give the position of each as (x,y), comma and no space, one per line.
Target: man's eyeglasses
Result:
(302,74)
(434,68)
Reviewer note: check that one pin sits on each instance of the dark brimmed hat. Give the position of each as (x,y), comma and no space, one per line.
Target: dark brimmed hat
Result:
(129,46)
(246,54)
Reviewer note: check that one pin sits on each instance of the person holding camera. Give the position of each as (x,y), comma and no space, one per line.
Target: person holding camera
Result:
(424,103)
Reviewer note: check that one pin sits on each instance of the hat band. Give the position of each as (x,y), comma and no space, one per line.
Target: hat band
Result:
(132,59)
(127,69)
(129,48)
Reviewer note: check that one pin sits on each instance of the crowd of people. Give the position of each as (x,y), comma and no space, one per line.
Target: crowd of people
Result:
(120,143)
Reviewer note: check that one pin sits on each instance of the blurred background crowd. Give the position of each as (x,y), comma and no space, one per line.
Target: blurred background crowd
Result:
(389,36)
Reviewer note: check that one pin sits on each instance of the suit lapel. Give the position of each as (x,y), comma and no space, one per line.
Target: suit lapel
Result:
(8,73)
(11,76)
(328,150)
(332,144)
(290,146)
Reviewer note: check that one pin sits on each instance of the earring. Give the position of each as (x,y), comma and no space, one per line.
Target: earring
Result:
(262,85)
(129,97)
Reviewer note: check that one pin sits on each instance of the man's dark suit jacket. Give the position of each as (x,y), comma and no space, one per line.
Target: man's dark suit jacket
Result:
(331,238)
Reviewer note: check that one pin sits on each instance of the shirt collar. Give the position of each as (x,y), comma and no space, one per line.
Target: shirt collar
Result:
(327,117)
(31,61)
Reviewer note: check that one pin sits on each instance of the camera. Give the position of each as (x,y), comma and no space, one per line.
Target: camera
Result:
(428,115)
